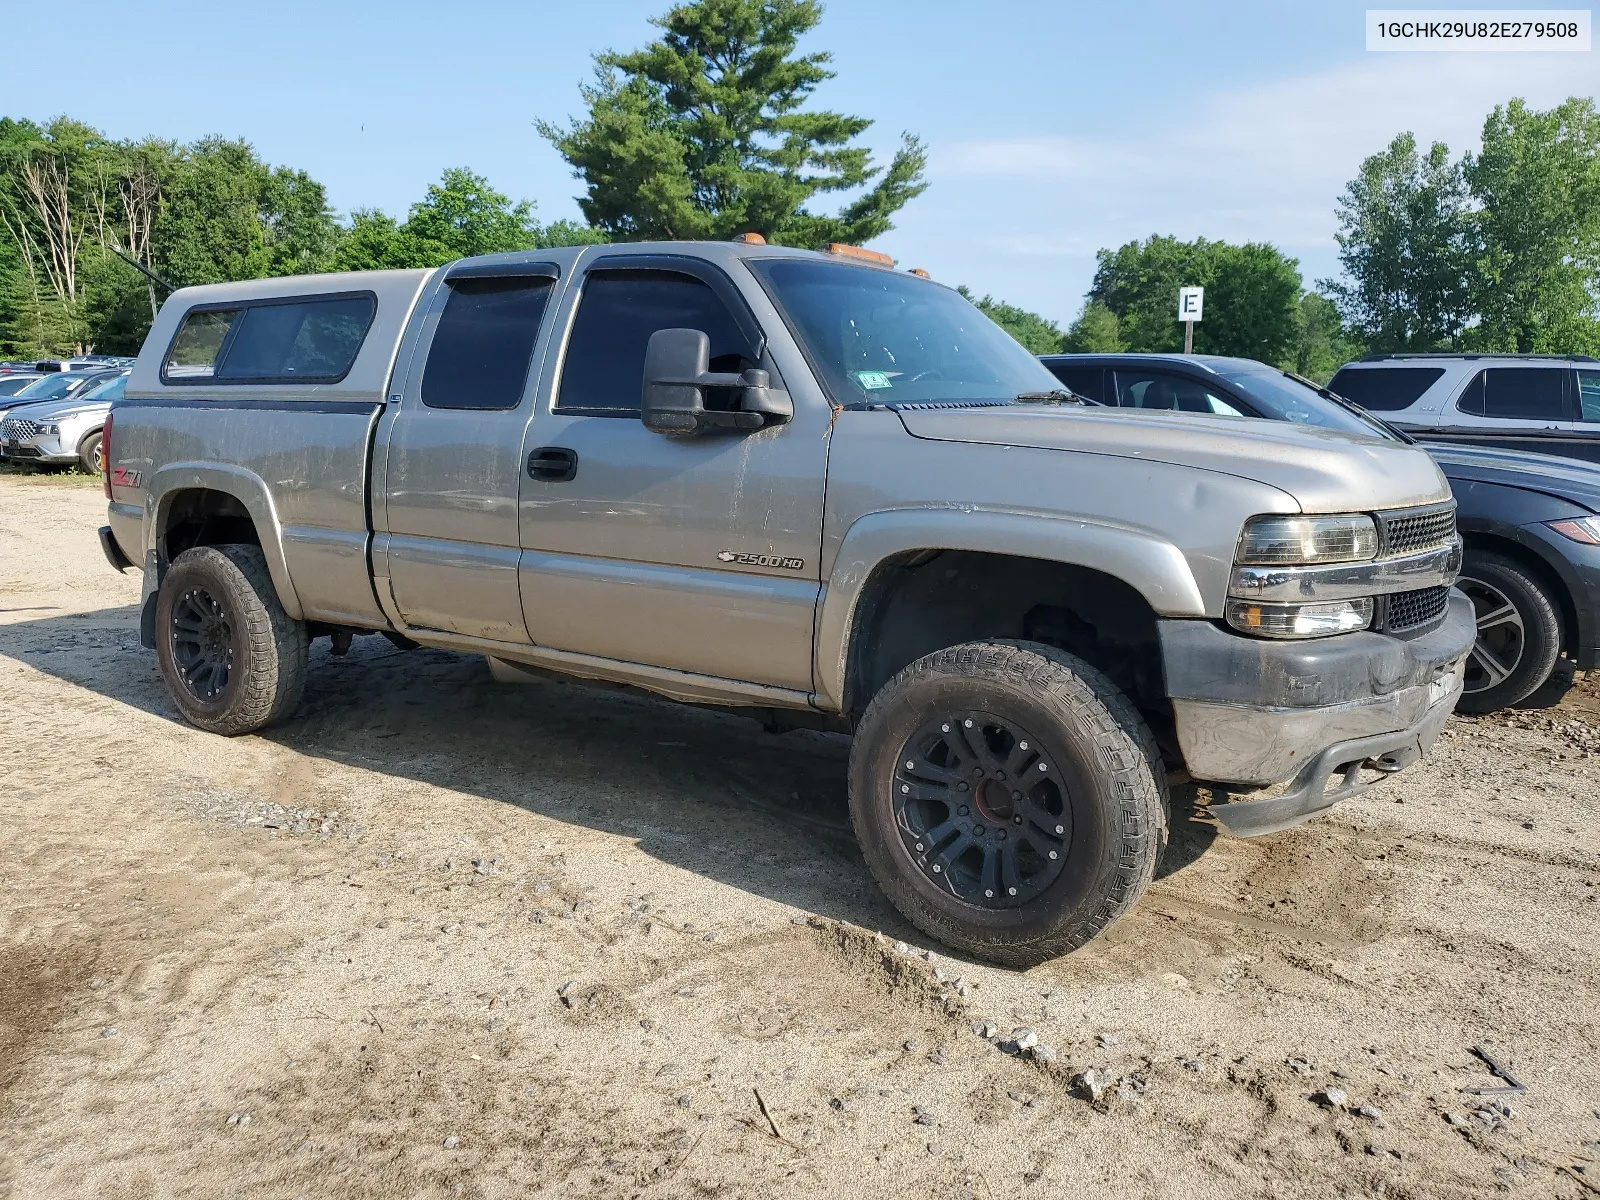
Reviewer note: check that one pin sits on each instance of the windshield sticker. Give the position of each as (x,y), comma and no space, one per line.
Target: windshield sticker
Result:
(873,379)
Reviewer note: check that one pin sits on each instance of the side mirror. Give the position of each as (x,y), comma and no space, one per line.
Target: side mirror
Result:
(676,372)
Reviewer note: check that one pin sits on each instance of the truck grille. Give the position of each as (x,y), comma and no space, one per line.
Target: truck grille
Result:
(1409,530)
(15,429)
(1412,610)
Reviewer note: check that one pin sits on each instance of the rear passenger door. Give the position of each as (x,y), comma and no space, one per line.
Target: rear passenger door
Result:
(1141,387)
(1524,408)
(453,457)
(699,554)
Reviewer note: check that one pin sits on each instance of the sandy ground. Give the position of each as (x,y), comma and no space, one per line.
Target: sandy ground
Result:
(442,937)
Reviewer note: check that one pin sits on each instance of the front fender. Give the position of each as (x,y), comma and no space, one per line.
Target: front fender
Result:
(244,486)
(1156,569)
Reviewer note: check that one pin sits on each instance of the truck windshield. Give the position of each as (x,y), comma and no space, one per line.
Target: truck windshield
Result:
(877,337)
(1281,397)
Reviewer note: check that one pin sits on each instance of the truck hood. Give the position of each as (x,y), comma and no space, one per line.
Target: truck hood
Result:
(1323,469)
(1564,478)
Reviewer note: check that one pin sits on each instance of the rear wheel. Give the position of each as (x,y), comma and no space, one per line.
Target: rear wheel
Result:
(1008,799)
(232,659)
(1519,632)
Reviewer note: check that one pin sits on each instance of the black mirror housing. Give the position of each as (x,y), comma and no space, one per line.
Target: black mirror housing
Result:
(676,372)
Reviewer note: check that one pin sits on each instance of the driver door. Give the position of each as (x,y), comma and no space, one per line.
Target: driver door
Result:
(699,554)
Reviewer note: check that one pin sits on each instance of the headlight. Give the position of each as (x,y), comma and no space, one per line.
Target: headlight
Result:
(1300,620)
(49,429)
(1579,529)
(1299,541)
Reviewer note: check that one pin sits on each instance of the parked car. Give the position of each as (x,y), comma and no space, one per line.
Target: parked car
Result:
(60,385)
(1529,521)
(815,488)
(12,382)
(61,432)
(1546,404)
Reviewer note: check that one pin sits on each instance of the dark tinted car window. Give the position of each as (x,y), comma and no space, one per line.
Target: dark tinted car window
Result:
(1517,393)
(305,339)
(484,343)
(1385,389)
(604,369)
(1161,389)
(1083,381)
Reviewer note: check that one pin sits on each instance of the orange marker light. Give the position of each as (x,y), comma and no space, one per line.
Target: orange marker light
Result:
(751,239)
(920,273)
(861,252)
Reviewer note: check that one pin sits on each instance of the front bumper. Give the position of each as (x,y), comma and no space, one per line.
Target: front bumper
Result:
(1259,713)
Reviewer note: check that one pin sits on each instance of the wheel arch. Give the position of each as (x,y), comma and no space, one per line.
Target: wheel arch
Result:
(192,504)
(884,608)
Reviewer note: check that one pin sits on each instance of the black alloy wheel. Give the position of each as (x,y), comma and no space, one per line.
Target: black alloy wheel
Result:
(980,807)
(1518,636)
(202,643)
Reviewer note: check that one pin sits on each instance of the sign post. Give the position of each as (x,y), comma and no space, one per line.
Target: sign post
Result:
(1191,303)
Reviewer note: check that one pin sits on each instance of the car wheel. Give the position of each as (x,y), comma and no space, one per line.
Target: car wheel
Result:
(232,659)
(1008,799)
(1519,633)
(89,457)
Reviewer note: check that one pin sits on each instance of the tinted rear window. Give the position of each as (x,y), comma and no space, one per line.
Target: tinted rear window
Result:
(1385,389)
(484,343)
(1080,380)
(1517,394)
(300,340)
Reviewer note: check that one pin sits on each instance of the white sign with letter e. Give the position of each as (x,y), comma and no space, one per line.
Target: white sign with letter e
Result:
(1191,302)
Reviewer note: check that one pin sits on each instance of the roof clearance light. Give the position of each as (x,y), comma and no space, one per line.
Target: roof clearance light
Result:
(860,252)
(920,273)
(751,239)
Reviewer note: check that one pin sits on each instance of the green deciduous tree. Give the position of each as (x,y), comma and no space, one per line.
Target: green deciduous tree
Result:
(1536,181)
(1322,344)
(461,215)
(1096,331)
(1036,334)
(702,134)
(1405,248)
(1252,296)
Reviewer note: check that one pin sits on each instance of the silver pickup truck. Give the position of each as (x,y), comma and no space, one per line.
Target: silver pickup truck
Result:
(816,489)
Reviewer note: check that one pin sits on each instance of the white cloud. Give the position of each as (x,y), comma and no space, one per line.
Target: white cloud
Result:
(1260,162)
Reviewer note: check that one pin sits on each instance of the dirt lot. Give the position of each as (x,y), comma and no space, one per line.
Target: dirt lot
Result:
(441,937)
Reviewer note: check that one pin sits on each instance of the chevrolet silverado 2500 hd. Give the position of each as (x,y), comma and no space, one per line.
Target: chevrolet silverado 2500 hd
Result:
(815,488)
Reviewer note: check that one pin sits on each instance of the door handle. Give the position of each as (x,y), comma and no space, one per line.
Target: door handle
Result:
(553,464)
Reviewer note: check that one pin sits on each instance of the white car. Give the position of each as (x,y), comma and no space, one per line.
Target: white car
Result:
(61,432)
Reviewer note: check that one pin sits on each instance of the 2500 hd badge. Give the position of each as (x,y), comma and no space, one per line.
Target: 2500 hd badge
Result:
(761,560)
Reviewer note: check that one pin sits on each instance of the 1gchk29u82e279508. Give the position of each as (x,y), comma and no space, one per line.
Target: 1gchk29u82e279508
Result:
(817,489)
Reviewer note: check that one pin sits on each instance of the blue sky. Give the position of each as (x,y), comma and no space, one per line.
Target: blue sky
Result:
(1053,128)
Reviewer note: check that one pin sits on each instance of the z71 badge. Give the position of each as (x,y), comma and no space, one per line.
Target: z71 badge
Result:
(126,477)
(762,560)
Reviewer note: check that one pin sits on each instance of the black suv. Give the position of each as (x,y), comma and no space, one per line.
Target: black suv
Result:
(1531,522)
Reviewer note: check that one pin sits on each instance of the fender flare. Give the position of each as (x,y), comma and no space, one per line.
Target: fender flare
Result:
(244,486)
(1153,567)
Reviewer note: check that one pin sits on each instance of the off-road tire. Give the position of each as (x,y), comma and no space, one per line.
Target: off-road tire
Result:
(1541,629)
(1104,753)
(89,453)
(267,673)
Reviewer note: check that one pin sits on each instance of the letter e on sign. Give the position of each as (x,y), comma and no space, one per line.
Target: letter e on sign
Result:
(1191,301)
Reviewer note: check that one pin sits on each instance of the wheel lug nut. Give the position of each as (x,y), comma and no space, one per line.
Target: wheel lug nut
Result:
(962,786)
(1011,891)
(920,847)
(968,722)
(910,766)
(1053,854)
(989,893)
(962,810)
(1061,828)
(1022,745)
(905,789)
(1016,795)
(999,774)
(977,772)
(977,831)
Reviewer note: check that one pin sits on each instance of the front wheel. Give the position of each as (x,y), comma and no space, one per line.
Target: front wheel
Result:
(1519,633)
(89,453)
(232,659)
(1008,799)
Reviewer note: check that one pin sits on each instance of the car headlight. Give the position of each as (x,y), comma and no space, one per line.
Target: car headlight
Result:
(1300,620)
(1579,529)
(1302,541)
(49,429)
